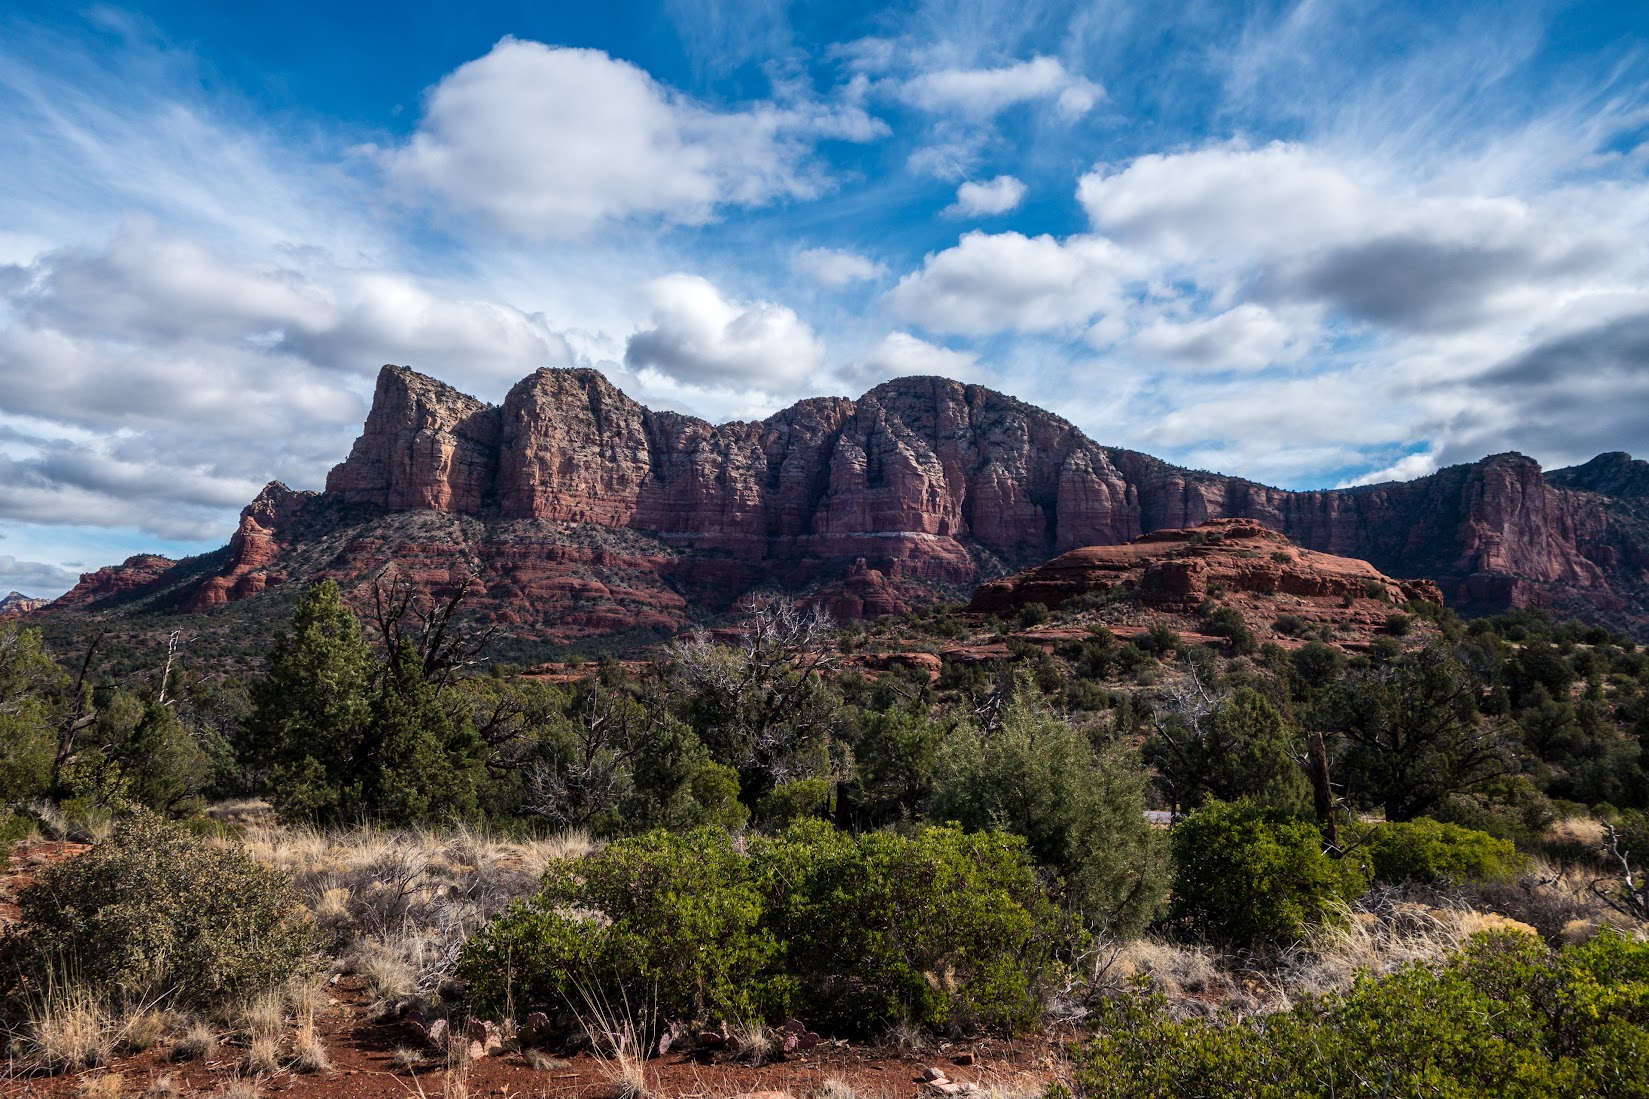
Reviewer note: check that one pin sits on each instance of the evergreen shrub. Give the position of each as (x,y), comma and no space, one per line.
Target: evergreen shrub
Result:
(1504,1017)
(943,927)
(1247,875)
(1431,852)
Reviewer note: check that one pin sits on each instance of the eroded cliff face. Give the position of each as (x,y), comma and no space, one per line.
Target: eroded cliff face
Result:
(571,492)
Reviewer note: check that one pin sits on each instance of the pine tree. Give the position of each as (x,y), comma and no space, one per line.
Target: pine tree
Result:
(310,710)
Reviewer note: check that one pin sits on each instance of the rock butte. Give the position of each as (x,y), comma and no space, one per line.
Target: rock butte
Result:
(581,513)
(1239,563)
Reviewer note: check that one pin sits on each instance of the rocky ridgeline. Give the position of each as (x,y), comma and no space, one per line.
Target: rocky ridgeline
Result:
(581,512)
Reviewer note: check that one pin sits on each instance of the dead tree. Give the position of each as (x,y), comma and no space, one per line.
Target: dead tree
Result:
(404,611)
(1629,894)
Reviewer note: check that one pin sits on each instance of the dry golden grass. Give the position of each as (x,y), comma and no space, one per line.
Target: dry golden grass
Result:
(754,1043)
(308,1050)
(163,1087)
(110,1085)
(198,1043)
(237,1089)
(262,1016)
(396,906)
(262,1057)
(68,1030)
(406,1058)
(619,1044)
(144,1029)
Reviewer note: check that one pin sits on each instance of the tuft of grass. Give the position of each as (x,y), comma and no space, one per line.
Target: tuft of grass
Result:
(456,1085)
(263,1016)
(262,1058)
(197,1043)
(620,1043)
(163,1087)
(308,1050)
(144,1029)
(835,1087)
(754,1043)
(110,1085)
(238,1089)
(407,1058)
(907,1038)
(69,1030)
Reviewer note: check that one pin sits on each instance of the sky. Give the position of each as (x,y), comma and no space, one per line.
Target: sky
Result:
(1315,244)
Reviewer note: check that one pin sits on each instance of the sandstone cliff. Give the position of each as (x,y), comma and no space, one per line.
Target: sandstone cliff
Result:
(1237,563)
(581,511)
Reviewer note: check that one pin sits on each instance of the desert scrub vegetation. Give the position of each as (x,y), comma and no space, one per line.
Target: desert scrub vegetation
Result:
(156,934)
(942,928)
(158,915)
(1432,852)
(1504,1016)
(394,906)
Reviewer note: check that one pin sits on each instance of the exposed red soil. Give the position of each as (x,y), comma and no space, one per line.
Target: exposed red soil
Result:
(363,1067)
(28,859)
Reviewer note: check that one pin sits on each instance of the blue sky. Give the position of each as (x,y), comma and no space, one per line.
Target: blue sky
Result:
(1314,244)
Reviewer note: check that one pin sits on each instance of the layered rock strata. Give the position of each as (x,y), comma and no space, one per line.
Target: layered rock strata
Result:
(1237,563)
(921,488)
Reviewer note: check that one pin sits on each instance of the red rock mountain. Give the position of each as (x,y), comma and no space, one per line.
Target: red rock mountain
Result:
(581,512)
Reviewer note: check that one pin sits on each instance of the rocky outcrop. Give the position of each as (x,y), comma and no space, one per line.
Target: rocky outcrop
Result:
(16,604)
(572,503)
(133,577)
(1239,563)
(253,548)
(425,445)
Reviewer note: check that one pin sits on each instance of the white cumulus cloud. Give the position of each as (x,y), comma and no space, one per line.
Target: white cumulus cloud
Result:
(981,93)
(836,267)
(699,337)
(996,196)
(992,282)
(551,141)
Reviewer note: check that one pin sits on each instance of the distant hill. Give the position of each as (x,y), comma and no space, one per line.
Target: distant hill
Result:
(16,603)
(581,515)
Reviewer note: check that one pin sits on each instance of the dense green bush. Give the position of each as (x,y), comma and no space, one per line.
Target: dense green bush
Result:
(1429,851)
(662,919)
(155,913)
(943,927)
(1081,809)
(13,827)
(1247,875)
(1242,747)
(1505,1017)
